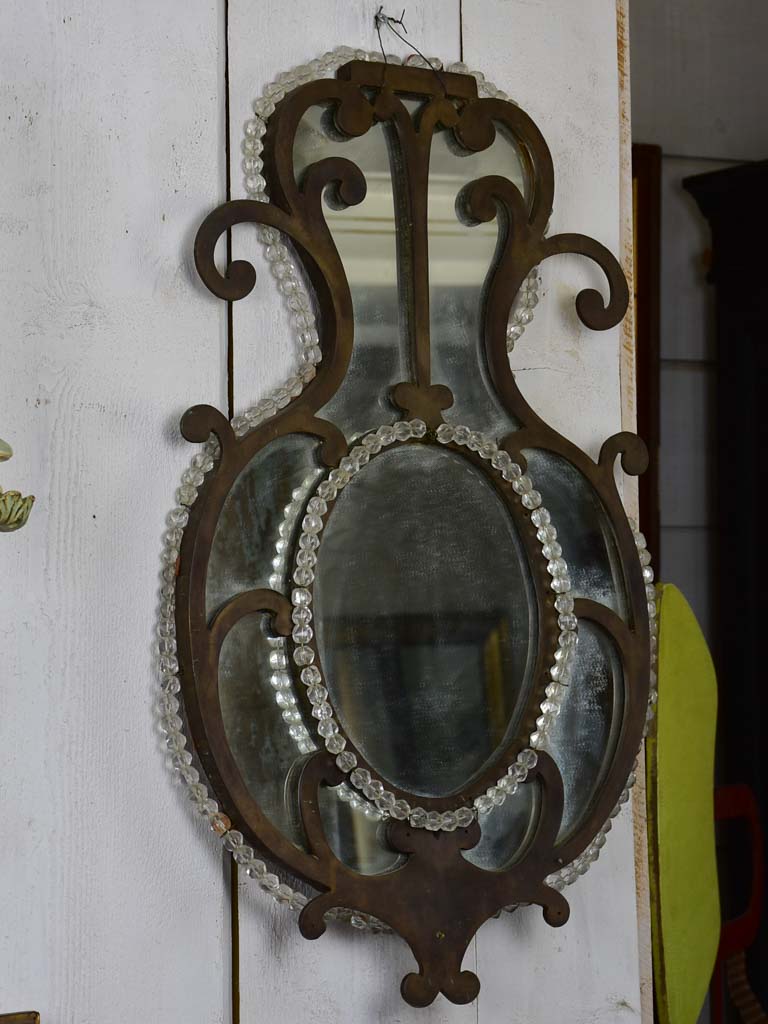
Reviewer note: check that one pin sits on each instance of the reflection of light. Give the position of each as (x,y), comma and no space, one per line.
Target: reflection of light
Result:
(280,678)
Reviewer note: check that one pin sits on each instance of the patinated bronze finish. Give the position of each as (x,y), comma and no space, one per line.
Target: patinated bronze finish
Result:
(436,900)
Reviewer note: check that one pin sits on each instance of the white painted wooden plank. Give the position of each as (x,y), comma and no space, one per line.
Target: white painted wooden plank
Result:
(687,300)
(111,898)
(561,65)
(700,87)
(630,494)
(585,972)
(344,977)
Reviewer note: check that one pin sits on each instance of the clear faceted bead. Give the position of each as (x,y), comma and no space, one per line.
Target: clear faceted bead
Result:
(448,823)
(278,659)
(400,810)
(528,758)
(326,490)
(360,777)
(346,761)
(385,801)
(483,804)
(335,744)
(339,478)
(501,460)
(312,523)
(303,656)
(317,694)
(302,634)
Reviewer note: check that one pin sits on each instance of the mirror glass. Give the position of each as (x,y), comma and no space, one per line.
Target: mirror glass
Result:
(425,614)
(584,735)
(425,618)
(583,530)
(374,254)
(461,254)
(366,238)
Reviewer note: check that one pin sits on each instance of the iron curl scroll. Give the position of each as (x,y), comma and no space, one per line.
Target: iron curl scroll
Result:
(364,94)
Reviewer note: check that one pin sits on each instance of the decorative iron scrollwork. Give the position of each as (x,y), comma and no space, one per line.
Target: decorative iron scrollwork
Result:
(463,895)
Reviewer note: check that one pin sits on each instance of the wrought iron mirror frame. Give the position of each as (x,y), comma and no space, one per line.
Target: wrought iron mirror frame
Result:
(461,896)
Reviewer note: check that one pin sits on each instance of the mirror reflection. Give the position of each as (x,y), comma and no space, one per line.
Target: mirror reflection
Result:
(425,618)
(425,614)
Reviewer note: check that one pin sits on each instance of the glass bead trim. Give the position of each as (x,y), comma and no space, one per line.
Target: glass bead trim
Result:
(303,320)
(374,794)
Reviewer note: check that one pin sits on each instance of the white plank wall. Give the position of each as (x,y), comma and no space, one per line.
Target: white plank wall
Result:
(561,65)
(112,903)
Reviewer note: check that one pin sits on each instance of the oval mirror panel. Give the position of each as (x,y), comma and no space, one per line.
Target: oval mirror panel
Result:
(426,618)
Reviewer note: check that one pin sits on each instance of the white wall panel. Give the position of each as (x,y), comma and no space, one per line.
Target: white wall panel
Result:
(699,83)
(112,905)
(559,61)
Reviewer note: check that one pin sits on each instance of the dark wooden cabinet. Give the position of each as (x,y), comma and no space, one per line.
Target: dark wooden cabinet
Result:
(735,203)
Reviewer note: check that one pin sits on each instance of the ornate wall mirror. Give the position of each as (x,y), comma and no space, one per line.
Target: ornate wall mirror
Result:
(409,624)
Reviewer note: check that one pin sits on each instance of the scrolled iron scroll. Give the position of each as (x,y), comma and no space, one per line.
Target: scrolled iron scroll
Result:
(362,95)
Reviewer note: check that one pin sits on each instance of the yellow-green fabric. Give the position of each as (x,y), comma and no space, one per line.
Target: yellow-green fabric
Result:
(685,905)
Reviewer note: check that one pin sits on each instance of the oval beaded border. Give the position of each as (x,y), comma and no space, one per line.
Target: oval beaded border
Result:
(328,729)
